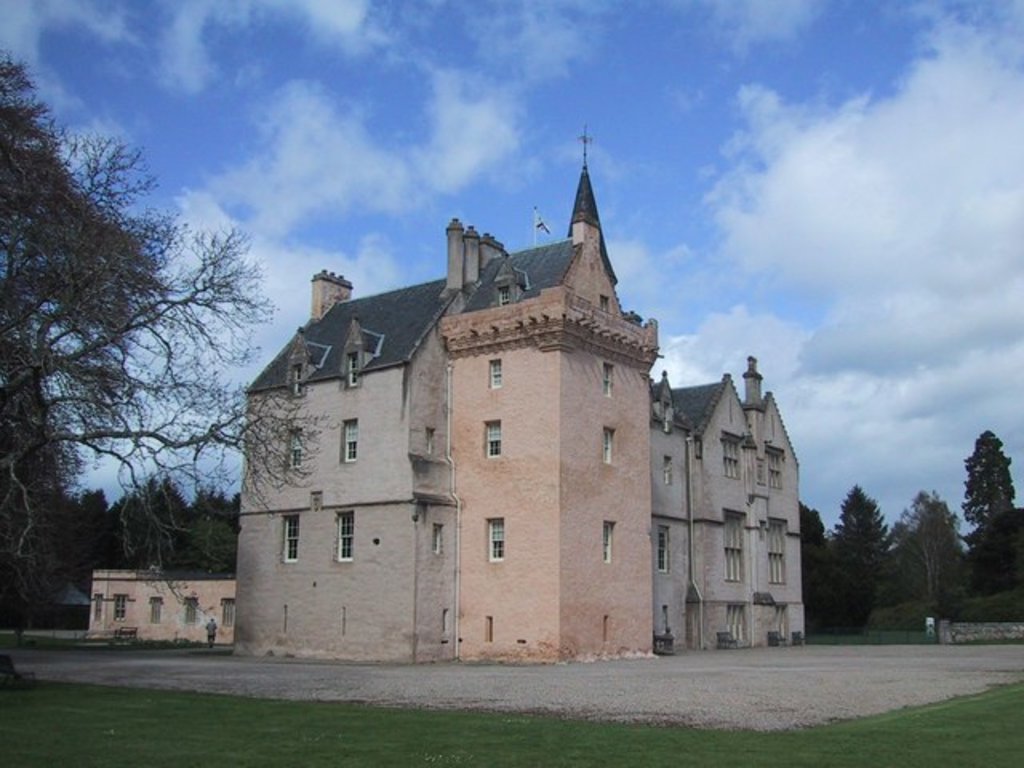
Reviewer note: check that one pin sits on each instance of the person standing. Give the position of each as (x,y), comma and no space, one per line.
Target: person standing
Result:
(211,631)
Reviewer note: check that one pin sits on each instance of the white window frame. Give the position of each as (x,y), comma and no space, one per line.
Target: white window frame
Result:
(492,439)
(346,536)
(496,539)
(664,558)
(295,449)
(776,551)
(733,544)
(350,441)
(775,470)
(607,540)
(352,369)
(227,612)
(290,538)
(607,379)
(731,457)
(120,607)
(296,379)
(504,295)
(736,621)
(666,470)
(191,610)
(156,606)
(494,368)
(608,445)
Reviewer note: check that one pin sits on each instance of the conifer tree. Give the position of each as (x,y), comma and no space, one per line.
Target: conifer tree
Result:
(861,544)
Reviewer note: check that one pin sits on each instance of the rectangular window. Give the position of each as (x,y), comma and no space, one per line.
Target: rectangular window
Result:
(608,534)
(733,547)
(446,623)
(351,437)
(495,368)
(504,295)
(774,469)
(227,612)
(664,556)
(777,551)
(608,444)
(429,437)
(493,438)
(607,378)
(781,621)
(666,470)
(296,379)
(97,606)
(346,535)
(120,607)
(731,457)
(736,621)
(156,605)
(352,369)
(496,539)
(604,303)
(488,629)
(438,539)
(191,610)
(316,501)
(290,528)
(295,449)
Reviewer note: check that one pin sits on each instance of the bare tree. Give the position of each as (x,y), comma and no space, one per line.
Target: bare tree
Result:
(120,328)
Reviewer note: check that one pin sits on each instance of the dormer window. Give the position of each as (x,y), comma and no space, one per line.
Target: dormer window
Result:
(504,295)
(295,379)
(352,369)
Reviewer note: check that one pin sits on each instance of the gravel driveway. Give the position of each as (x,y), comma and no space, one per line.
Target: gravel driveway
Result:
(761,689)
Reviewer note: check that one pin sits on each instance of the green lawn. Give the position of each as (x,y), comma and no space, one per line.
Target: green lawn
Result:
(58,726)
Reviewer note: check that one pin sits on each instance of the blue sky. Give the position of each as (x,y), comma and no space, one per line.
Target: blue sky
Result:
(834,187)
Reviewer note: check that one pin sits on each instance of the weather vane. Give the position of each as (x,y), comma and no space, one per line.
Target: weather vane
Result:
(585,139)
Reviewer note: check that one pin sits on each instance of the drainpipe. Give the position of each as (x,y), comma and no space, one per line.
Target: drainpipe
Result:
(690,542)
(457,607)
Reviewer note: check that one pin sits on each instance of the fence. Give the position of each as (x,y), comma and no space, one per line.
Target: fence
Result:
(859,636)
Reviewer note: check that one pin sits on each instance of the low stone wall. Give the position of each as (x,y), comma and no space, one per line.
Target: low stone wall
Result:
(953,632)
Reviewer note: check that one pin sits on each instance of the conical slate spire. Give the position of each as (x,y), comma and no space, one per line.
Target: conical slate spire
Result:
(585,210)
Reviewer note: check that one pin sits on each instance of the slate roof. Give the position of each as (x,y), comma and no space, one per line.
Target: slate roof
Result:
(542,267)
(697,403)
(585,209)
(393,323)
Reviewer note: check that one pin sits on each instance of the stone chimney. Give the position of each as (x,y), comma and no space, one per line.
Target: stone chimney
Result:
(752,383)
(455,255)
(471,268)
(328,290)
(490,249)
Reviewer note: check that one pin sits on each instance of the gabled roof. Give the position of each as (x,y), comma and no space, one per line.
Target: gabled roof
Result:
(543,266)
(393,324)
(697,404)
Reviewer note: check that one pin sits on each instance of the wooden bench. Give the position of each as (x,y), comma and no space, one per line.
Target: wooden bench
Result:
(726,640)
(12,677)
(126,633)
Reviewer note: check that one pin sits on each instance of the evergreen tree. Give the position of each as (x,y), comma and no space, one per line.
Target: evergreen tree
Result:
(860,544)
(817,569)
(994,543)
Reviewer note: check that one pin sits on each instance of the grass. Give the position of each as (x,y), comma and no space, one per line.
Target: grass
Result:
(55,724)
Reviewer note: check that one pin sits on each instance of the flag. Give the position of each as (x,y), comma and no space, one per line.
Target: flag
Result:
(538,223)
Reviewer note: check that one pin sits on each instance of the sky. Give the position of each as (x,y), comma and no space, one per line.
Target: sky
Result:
(836,188)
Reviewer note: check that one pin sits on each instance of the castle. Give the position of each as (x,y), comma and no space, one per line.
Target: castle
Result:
(483,469)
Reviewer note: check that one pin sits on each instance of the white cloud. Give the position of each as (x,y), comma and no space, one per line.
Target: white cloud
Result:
(473,128)
(313,159)
(748,22)
(185,60)
(904,215)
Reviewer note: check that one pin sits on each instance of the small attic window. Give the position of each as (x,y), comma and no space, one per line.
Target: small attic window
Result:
(352,369)
(295,379)
(504,295)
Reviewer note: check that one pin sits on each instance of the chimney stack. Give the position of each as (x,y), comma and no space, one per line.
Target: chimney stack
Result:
(328,290)
(471,270)
(490,249)
(455,255)
(752,383)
